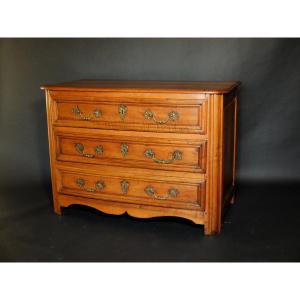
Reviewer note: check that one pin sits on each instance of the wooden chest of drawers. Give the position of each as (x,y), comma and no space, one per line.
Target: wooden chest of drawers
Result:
(147,148)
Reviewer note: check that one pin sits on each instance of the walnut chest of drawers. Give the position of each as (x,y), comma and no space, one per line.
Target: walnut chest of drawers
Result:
(146,148)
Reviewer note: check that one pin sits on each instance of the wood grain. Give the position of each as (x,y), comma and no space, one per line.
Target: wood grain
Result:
(178,160)
(134,210)
(148,86)
(52,151)
(164,148)
(191,112)
(190,195)
(214,168)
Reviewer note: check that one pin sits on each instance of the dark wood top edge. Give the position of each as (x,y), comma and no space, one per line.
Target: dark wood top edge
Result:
(153,86)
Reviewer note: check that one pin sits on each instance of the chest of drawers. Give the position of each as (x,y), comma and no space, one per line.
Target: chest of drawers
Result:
(146,148)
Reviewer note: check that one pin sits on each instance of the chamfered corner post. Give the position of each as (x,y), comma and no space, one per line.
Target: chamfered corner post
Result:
(213,212)
(51,111)
(232,200)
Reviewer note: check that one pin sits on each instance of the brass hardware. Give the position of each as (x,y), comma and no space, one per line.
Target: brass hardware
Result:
(176,155)
(172,192)
(99,185)
(122,111)
(80,148)
(96,113)
(173,116)
(124,149)
(124,186)
(99,150)
(80,182)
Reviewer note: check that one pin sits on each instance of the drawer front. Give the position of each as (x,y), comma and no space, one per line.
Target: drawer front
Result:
(162,115)
(133,190)
(123,149)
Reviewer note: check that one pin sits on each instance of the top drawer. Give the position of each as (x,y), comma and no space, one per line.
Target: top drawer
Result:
(145,112)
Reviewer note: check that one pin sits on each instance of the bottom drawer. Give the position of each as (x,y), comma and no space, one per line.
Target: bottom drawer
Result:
(157,192)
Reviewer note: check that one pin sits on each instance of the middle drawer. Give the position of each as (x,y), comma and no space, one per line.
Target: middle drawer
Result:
(182,152)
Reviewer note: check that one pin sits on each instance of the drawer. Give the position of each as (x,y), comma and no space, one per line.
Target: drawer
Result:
(137,114)
(131,189)
(154,151)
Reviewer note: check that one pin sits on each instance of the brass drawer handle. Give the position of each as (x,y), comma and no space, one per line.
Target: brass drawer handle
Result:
(99,185)
(97,113)
(80,148)
(172,192)
(172,116)
(176,155)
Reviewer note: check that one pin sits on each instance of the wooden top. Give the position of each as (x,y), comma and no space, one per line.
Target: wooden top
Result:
(219,87)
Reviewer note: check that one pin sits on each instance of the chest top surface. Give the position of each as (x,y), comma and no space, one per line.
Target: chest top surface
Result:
(216,87)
